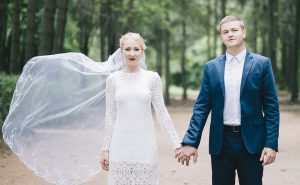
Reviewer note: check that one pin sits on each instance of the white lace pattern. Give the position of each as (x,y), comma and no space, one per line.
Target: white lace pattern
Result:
(130,134)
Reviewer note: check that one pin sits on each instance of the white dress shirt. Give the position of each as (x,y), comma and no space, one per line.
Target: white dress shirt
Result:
(232,78)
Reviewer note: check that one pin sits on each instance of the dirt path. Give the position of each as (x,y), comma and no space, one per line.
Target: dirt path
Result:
(285,171)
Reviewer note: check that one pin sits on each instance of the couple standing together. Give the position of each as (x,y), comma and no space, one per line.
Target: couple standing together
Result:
(239,91)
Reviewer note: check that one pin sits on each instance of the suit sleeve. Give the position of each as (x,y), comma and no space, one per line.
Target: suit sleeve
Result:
(270,107)
(201,110)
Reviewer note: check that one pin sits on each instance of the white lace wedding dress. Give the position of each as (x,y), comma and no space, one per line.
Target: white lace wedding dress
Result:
(129,130)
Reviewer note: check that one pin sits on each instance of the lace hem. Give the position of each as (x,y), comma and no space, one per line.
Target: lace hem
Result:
(130,173)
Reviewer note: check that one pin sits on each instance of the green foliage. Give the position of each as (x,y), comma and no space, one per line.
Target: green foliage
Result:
(7,86)
(157,19)
(194,76)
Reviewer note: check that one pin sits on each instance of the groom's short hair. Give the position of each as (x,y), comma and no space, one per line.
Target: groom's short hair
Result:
(230,18)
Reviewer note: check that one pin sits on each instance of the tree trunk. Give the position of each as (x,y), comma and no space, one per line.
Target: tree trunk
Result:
(255,17)
(283,80)
(47,32)
(61,21)
(119,24)
(167,66)
(223,10)
(103,29)
(159,52)
(130,17)
(158,43)
(114,26)
(110,31)
(183,50)
(7,51)
(295,77)
(3,26)
(208,26)
(15,42)
(264,43)
(285,41)
(216,31)
(30,44)
(289,65)
(272,34)
(86,10)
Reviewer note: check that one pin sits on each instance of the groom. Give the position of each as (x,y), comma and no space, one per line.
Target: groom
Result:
(239,90)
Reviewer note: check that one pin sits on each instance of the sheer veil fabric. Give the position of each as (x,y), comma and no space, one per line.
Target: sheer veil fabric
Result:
(55,124)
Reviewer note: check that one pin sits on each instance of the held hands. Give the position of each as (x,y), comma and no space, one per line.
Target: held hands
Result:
(268,156)
(185,153)
(105,160)
(177,150)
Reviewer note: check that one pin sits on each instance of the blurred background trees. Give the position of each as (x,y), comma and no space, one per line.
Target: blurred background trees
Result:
(181,34)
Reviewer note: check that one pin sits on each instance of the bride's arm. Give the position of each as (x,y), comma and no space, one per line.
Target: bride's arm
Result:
(161,112)
(110,118)
(110,114)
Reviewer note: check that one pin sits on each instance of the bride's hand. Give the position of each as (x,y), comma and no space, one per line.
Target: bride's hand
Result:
(177,150)
(105,160)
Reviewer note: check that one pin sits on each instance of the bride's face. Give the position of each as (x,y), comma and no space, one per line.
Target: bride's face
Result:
(132,52)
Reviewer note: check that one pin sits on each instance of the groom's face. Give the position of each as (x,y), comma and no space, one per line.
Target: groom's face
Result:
(232,34)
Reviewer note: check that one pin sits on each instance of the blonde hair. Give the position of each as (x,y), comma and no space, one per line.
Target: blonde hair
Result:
(135,36)
(231,18)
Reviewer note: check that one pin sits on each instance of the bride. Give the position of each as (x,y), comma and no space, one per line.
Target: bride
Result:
(130,149)
(56,120)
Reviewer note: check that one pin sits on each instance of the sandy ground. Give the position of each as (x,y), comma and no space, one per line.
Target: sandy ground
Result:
(285,171)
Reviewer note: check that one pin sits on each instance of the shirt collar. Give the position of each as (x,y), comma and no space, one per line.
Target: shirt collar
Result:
(240,56)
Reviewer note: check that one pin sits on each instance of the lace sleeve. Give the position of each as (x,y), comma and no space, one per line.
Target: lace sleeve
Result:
(110,115)
(161,112)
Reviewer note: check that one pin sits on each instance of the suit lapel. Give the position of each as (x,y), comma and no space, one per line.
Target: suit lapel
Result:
(220,65)
(247,66)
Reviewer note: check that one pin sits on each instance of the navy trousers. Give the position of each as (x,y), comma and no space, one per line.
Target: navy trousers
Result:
(233,158)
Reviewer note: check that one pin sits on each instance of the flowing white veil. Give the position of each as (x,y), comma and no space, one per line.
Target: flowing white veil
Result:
(55,124)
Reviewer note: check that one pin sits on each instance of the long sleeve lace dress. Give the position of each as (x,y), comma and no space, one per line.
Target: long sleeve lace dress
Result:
(129,131)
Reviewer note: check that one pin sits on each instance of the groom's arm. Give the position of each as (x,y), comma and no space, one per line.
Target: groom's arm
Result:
(201,110)
(271,114)
(270,107)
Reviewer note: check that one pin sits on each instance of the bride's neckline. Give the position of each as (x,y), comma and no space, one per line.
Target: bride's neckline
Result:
(135,72)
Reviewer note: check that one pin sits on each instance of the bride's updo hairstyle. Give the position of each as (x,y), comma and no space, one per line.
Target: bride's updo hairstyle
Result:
(135,36)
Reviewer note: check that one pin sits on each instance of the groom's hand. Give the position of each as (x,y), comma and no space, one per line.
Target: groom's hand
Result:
(185,153)
(268,156)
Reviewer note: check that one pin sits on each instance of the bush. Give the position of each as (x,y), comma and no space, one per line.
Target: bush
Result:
(7,87)
(193,75)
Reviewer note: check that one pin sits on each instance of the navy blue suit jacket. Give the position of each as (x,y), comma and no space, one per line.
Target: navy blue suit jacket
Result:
(258,100)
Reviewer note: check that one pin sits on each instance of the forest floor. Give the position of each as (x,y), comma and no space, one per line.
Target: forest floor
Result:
(285,170)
